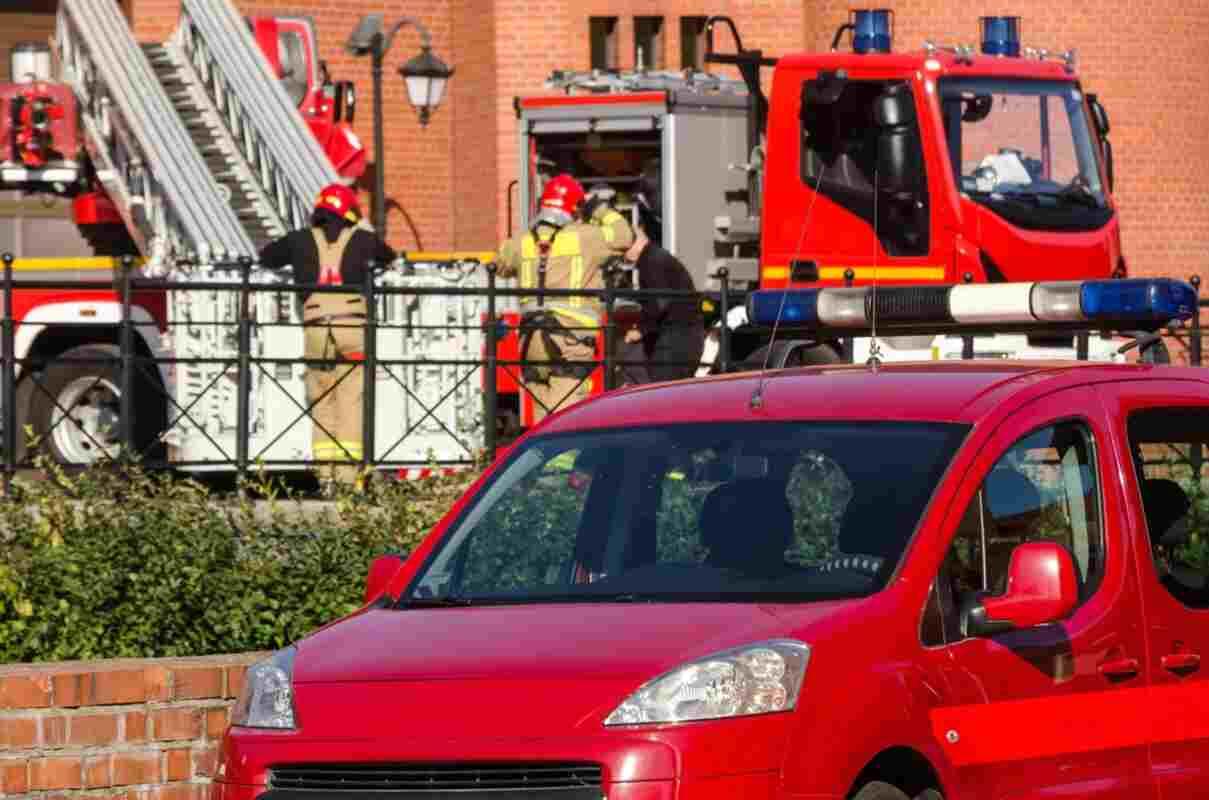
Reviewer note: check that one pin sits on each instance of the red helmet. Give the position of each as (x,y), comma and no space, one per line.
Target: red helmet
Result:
(561,198)
(340,199)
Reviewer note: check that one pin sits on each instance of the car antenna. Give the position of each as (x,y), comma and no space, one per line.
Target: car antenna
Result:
(875,350)
(757,396)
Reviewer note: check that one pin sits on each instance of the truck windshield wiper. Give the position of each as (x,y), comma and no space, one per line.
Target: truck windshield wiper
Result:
(1077,191)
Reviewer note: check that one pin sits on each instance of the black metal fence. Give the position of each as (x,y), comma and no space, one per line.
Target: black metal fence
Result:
(137,369)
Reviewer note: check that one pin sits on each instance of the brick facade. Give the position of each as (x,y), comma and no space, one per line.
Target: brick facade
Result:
(129,729)
(448,182)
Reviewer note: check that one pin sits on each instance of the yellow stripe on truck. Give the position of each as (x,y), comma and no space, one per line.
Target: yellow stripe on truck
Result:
(884,273)
(482,256)
(69,264)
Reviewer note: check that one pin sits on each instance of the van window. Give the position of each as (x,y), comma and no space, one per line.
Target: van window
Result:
(1044,488)
(1170,446)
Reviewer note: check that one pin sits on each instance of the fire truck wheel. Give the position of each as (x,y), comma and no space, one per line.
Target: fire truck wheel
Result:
(877,790)
(73,410)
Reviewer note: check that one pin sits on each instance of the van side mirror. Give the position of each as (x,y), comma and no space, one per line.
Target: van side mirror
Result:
(898,150)
(381,572)
(1042,588)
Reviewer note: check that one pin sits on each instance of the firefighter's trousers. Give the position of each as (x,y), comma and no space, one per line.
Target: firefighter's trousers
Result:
(335,330)
(565,384)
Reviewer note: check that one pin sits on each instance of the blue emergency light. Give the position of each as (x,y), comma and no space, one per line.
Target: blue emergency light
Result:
(871,30)
(1153,300)
(1001,36)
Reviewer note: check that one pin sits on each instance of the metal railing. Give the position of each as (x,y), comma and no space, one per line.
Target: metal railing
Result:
(137,369)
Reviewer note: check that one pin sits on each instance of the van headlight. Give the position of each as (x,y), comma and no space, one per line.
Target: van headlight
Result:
(267,698)
(759,678)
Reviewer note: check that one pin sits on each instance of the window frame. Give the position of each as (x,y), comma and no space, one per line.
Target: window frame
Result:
(950,638)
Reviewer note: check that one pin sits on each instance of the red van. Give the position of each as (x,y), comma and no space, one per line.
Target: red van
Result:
(952,580)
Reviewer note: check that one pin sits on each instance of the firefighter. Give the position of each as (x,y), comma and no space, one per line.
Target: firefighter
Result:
(671,333)
(336,250)
(571,239)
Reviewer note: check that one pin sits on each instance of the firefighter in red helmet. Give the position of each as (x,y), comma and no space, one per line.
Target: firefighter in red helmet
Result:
(336,250)
(566,248)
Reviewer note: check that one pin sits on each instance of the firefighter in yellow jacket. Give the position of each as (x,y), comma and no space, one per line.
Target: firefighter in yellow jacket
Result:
(335,250)
(566,248)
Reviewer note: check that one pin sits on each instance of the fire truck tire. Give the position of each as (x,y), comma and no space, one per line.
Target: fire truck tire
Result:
(877,790)
(72,410)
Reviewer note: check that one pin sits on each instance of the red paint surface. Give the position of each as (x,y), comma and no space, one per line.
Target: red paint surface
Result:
(1027,714)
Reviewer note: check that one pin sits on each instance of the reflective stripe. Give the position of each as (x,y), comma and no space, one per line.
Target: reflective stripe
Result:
(354,355)
(884,273)
(563,244)
(607,221)
(337,451)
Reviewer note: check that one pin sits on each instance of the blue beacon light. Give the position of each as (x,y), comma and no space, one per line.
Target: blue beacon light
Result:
(1001,36)
(783,306)
(1148,299)
(871,31)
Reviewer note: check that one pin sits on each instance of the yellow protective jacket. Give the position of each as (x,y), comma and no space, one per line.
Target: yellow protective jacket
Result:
(578,252)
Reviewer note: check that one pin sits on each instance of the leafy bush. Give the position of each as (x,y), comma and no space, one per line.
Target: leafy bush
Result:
(122,563)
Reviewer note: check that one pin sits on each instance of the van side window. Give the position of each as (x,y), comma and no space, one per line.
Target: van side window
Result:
(841,140)
(1045,488)
(1169,447)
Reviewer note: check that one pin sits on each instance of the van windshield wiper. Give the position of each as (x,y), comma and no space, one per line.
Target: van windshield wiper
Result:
(449,601)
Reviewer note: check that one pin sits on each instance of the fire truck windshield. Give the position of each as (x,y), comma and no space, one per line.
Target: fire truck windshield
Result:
(1024,149)
(701,512)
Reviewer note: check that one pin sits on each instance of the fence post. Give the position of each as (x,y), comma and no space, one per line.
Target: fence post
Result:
(846,343)
(244,379)
(126,349)
(723,275)
(967,342)
(490,387)
(369,370)
(9,380)
(1197,353)
(610,331)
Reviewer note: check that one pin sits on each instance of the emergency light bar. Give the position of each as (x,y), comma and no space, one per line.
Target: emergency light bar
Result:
(1140,302)
(871,30)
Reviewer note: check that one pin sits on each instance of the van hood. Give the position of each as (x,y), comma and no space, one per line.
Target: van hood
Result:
(534,668)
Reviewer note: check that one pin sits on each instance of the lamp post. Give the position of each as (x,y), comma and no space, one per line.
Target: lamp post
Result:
(425,76)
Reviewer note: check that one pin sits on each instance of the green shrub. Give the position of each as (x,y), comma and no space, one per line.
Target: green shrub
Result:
(123,563)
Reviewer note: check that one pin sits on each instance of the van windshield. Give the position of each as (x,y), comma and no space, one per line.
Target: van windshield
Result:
(731,512)
(1025,150)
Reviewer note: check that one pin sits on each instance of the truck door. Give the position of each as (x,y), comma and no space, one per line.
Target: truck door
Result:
(856,196)
(1164,431)
(1054,710)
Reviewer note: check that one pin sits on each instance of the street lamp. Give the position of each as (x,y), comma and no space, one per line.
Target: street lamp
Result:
(425,76)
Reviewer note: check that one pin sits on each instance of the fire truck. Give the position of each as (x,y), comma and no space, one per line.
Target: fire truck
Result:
(945,165)
(189,154)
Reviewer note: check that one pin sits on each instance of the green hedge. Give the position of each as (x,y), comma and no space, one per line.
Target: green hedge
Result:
(122,563)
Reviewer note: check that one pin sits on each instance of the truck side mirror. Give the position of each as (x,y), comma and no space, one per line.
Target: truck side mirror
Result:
(1103,126)
(346,101)
(1041,588)
(898,150)
(381,572)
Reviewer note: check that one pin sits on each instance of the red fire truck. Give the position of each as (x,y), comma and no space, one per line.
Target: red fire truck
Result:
(193,151)
(943,165)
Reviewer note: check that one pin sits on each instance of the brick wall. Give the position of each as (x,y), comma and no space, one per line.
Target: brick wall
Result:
(24,21)
(130,729)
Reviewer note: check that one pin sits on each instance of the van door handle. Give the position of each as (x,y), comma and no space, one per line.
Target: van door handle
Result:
(1181,662)
(1120,668)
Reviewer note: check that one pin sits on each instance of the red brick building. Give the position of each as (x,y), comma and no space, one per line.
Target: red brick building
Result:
(449,180)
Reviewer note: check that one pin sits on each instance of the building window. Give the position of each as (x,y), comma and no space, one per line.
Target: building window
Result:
(648,42)
(692,43)
(602,32)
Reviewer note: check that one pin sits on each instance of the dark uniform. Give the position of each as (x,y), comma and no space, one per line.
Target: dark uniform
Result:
(673,329)
(335,330)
